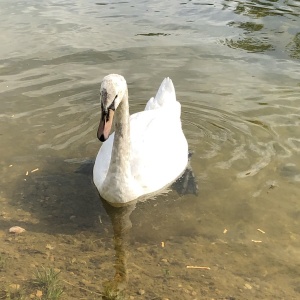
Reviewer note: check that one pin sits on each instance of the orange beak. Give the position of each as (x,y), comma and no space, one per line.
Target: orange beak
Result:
(105,125)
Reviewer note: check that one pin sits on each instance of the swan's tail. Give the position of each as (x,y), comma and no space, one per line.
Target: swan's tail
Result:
(166,92)
(164,96)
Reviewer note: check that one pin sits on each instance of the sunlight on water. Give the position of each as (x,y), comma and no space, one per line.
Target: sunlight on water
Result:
(235,66)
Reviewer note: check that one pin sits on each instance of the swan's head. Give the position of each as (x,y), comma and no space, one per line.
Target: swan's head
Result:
(112,91)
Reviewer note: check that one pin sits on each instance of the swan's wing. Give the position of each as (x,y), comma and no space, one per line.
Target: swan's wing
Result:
(159,147)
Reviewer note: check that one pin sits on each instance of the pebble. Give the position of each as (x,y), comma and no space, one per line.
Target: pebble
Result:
(16,229)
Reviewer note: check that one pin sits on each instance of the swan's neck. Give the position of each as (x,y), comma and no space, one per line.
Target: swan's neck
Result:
(118,182)
(120,157)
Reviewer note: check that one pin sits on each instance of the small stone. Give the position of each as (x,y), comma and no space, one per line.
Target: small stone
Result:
(141,292)
(164,260)
(16,229)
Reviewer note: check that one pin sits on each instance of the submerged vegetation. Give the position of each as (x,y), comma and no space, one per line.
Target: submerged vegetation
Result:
(48,283)
(3,260)
(45,285)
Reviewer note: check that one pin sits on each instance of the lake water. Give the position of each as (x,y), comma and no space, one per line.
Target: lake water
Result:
(236,70)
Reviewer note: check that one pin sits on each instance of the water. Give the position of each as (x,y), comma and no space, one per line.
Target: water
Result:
(235,66)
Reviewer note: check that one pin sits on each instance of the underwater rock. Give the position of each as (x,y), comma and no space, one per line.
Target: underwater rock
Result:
(16,229)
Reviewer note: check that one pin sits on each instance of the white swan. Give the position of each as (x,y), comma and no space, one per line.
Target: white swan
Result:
(148,150)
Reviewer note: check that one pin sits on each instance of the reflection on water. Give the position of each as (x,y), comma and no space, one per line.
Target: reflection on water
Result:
(235,66)
(120,218)
(266,26)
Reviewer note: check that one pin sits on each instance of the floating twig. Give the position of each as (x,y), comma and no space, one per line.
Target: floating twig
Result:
(198,267)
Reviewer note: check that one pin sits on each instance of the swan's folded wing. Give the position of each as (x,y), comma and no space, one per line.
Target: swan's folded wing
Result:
(159,148)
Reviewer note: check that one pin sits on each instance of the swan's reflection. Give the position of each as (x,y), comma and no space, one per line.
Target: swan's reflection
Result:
(120,219)
(121,223)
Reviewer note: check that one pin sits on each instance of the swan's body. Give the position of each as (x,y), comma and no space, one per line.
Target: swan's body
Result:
(148,150)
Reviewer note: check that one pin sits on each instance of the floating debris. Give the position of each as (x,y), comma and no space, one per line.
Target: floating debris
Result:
(260,230)
(100,220)
(225,231)
(163,244)
(248,286)
(256,241)
(48,246)
(141,292)
(39,294)
(34,170)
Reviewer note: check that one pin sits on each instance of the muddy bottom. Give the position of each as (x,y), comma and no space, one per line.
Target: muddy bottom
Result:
(172,247)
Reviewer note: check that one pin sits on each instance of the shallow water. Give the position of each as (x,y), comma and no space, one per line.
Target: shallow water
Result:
(235,66)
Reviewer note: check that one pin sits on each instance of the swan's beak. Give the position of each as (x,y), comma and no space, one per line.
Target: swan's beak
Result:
(105,125)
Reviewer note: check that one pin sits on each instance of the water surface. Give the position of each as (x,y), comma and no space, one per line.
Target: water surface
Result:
(235,66)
